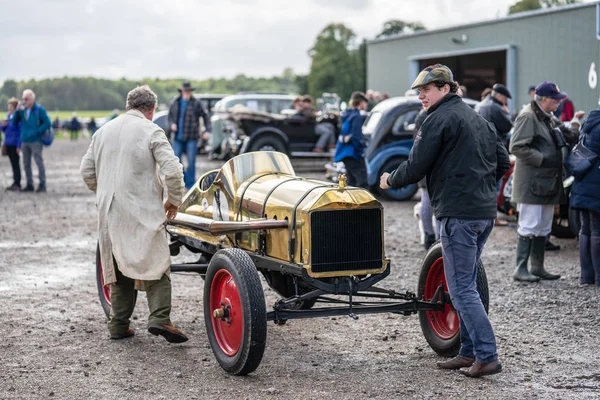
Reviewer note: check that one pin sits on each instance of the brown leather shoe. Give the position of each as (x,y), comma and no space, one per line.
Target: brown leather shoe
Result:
(169,332)
(457,362)
(478,370)
(123,335)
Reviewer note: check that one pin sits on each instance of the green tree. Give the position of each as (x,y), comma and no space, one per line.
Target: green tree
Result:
(396,27)
(527,5)
(335,65)
(86,93)
(9,88)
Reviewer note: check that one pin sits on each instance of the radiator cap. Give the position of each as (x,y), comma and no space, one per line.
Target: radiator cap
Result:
(342,181)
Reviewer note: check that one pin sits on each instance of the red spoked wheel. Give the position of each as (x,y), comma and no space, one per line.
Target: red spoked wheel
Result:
(234,311)
(226,311)
(442,328)
(103,290)
(444,324)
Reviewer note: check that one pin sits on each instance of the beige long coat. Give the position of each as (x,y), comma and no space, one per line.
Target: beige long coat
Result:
(122,166)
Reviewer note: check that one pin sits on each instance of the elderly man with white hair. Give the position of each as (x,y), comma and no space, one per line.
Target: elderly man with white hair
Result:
(122,165)
(538,143)
(34,122)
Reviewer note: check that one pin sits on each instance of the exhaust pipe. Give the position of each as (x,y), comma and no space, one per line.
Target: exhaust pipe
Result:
(217,228)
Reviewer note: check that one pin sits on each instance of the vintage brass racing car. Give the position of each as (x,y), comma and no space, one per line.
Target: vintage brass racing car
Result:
(314,243)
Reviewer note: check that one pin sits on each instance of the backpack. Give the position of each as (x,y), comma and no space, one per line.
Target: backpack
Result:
(48,136)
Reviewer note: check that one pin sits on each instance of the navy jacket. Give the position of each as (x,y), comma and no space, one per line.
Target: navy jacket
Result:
(12,132)
(492,111)
(351,125)
(585,194)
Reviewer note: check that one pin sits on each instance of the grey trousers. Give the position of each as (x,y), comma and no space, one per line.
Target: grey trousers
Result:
(35,149)
(326,133)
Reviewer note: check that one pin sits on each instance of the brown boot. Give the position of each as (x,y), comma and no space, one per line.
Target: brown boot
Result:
(457,362)
(478,370)
(169,332)
(117,336)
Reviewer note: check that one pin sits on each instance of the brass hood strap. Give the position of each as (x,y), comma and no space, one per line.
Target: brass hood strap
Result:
(239,214)
(264,206)
(292,240)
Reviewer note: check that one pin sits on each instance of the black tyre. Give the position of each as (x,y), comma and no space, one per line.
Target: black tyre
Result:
(234,311)
(267,143)
(441,329)
(103,291)
(402,194)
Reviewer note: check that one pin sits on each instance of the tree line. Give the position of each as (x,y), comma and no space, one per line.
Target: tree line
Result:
(338,65)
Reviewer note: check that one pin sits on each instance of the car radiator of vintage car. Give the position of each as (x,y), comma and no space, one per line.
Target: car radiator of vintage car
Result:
(346,240)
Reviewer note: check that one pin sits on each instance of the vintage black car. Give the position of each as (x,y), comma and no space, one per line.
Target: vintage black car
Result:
(295,136)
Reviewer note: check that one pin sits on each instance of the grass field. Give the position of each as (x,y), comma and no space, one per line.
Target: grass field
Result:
(65,115)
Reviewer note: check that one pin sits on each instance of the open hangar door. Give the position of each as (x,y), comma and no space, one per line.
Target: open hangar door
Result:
(476,71)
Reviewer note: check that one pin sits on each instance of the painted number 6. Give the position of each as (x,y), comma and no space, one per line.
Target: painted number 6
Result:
(592,76)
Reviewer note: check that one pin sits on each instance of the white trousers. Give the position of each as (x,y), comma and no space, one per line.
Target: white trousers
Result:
(535,219)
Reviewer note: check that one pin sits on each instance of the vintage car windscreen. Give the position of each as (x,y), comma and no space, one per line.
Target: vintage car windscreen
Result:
(371,123)
(245,166)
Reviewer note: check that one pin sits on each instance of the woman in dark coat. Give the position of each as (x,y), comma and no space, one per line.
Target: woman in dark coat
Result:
(585,196)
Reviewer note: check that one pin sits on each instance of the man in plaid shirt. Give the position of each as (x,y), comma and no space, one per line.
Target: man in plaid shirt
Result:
(184,118)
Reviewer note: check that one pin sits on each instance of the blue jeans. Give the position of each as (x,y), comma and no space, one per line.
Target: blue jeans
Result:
(462,244)
(191,149)
(590,223)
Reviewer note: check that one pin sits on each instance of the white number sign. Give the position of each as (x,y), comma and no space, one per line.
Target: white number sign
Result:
(593,76)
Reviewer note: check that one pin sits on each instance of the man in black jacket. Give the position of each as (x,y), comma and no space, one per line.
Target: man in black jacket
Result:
(494,109)
(461,156)
(184,120)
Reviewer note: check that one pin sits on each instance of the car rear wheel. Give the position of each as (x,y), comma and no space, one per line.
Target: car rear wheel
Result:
(267,143)
(442,329)
(234,311)
(401,194)
(104,290)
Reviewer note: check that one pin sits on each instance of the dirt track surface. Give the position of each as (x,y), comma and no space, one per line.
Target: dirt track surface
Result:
(55,343)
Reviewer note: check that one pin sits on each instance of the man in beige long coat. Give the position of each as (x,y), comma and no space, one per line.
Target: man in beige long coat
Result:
(122,166)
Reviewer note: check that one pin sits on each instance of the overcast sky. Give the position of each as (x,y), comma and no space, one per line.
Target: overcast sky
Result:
(196,39)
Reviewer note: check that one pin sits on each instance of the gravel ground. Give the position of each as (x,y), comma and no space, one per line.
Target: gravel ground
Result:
(55,343)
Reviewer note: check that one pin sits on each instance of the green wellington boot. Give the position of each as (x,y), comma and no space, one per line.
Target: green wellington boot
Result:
(523,250)
(538,248)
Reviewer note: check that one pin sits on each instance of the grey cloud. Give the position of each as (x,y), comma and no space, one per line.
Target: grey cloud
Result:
(343,5)
(154,38)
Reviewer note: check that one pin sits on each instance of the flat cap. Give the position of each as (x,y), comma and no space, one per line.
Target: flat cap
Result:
(433,73)
(500,88)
